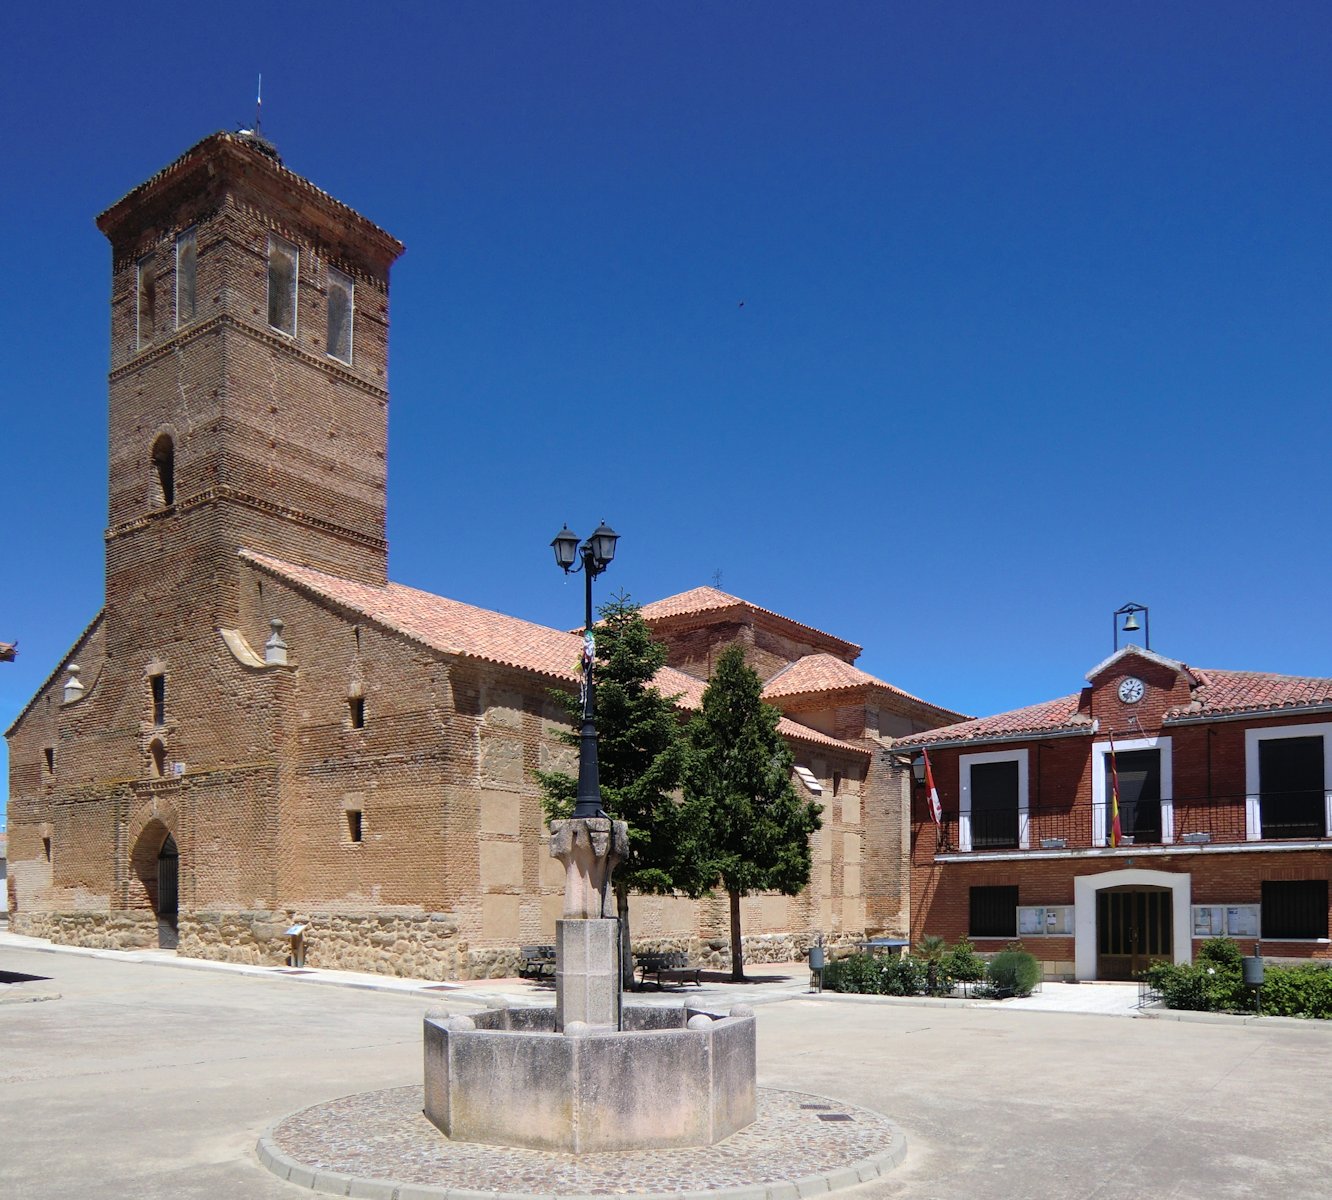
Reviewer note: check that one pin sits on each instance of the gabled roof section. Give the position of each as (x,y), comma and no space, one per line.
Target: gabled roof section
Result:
(1067,715)
(825,674)
(60,666)
(454,628)
(1131,651)
(1223,693)
(704,601)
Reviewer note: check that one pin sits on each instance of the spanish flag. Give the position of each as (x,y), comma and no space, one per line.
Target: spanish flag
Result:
(1115,831)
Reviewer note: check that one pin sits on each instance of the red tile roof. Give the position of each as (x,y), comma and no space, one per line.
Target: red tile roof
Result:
(1223,692)
(1215,693)
(451,627)
(1051,716)
(701,600)
(821,673)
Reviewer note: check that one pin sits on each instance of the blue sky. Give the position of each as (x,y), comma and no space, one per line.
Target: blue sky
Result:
(1036,304)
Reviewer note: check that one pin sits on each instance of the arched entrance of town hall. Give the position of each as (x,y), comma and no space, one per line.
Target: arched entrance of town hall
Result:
(156,879)
(1124,919)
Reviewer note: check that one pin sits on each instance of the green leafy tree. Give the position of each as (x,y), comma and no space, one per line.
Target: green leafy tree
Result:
(752,827)
(639,754)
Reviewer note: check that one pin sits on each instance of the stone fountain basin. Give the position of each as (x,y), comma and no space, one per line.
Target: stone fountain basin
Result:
(671,1077)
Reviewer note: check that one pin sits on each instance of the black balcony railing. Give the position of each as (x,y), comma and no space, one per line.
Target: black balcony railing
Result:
(1188,820)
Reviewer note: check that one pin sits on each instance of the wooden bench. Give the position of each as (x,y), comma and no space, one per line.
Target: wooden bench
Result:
(536,962)
(667,965)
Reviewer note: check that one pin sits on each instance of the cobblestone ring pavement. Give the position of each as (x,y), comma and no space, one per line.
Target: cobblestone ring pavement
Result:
(379,1145)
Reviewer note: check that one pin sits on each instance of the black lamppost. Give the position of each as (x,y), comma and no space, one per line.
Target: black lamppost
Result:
(596,554)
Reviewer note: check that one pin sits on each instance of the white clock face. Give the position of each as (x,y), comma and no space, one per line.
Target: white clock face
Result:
(1131,690)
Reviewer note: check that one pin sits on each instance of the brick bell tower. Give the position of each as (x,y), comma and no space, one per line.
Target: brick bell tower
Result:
(248,386)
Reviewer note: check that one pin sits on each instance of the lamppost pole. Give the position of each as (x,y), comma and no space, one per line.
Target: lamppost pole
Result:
(595,554)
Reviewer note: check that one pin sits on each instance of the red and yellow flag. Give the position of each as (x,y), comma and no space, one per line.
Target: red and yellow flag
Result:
(936,809)
(1115,831)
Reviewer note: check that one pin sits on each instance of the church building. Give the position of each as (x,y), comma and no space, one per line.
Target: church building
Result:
(259,729)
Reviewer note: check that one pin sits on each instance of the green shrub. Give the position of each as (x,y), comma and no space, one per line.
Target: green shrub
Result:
(1220,952)
(1303,991)
(962,964)
(1215,983)
(855,973)
(905,976)
(1015,971)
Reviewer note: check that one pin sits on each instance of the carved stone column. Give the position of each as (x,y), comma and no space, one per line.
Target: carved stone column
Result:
(587,942)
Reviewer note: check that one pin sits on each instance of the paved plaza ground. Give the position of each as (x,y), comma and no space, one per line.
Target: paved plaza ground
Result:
(144,1077)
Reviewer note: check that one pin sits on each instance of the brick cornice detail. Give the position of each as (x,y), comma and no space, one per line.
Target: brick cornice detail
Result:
(245,499)
(225,320)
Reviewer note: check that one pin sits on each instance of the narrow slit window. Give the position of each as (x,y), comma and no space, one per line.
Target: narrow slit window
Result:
(146,289)
(187,260)
(158,752)
(157,688)
(356,708)
(164,468)
(46,848)
(283,263)
(341,294)
(50,760)
(354,826)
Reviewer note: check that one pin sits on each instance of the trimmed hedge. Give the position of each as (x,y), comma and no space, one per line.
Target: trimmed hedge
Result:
(913,975)
(1214,982)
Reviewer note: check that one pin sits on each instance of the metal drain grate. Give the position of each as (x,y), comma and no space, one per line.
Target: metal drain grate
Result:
(829,1116)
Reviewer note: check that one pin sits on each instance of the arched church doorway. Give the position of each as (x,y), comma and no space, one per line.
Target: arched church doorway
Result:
(156,880)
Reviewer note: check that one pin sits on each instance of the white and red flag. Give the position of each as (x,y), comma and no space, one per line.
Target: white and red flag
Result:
(936,809)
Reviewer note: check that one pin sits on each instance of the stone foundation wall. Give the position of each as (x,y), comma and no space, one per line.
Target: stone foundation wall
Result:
(97,930)
(715,953)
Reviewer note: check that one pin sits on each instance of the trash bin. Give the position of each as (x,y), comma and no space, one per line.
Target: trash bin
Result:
(297,935)
(1253,971)
(816,964)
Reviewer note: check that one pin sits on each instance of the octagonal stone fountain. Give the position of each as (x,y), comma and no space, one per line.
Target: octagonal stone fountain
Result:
(589,1074)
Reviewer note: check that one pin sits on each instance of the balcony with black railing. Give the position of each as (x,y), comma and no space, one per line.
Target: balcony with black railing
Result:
(1182,822)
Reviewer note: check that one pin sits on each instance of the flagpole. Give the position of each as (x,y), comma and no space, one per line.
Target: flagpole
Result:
(1115,832)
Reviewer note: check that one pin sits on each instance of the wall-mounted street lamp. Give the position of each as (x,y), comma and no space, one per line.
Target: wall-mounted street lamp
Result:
(1130,614)
(595,555)
(918,770)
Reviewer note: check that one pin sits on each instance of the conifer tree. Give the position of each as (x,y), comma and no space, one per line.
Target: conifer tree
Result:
(751,825)
(639,753)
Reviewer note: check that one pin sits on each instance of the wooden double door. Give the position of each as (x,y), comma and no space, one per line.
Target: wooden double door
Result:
(1134,927)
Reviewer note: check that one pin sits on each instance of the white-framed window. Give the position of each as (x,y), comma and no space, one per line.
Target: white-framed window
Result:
(187,276)
(284,261)
(1146,791)
(145,293)
(993,812)
(341,315)
(1288,781)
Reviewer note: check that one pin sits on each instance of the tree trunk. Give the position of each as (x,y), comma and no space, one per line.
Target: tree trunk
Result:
(626,942)
(737,946)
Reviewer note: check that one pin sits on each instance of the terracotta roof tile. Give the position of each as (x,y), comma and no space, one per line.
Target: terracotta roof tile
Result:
(826,673)
(1221,692)
(701,600)
(453,627)
(1051,716)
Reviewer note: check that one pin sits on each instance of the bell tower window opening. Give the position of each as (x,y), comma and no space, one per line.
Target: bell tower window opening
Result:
(157,689)
(356,711)
(187,262)
(146,292)
(341,297)
(283,265)
(164,465)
